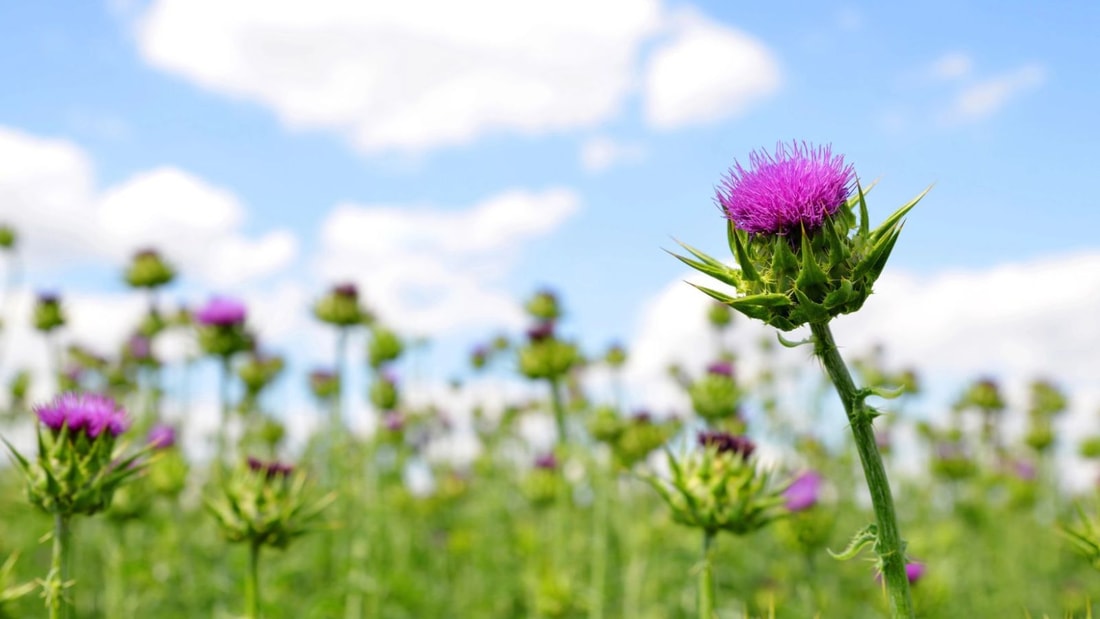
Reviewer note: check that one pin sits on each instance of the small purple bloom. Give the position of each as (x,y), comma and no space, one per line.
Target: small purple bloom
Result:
(393,421)
(914,571)
(346,290)
(721,368)
(162,436)
(546,462)
(797,187)
(542,331)
(221,312)
(1024,470)
(642,417)
(271,469)
(727,443)
(803,492)
(140,347)
(91,413)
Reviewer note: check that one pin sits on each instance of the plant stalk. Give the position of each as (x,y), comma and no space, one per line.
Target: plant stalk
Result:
(706,577)
(559,410)
(252,581)
(890,548)
(58,579)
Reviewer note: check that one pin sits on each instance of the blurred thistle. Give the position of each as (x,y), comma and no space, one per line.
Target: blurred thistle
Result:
(384,347)
(340,307)
(715,397)
(803,492)
(324,384)
(543,306)
(77,471)
(265,503)
(221,324)
(149,270)
(8,237)
(718,487)
(48,313)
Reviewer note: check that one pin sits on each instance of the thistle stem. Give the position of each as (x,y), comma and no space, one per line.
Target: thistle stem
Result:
(706,577)
(252,581)
(58,578)
(337,412)
(889,546)
(559,410)
(223,394)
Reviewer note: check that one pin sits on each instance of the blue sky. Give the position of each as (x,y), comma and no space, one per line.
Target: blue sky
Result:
(293,110)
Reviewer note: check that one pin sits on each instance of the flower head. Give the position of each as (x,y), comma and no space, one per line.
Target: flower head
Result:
(914,571)
(221,312)
(162,436)
(796,188)
(725,442)
(90,413)
(721,368)
(271,469)
(803,492)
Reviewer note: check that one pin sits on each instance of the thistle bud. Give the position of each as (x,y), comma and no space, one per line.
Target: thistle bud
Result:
(720,487)
(266,504)
(8,237)
(548,358)
(340,306)
(544,306)
(149,270)
(383,392)
(324,384)
(385,346)
(715,396)
(221,327)
(48,314)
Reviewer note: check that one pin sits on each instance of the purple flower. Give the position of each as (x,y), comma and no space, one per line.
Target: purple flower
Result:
(546,462)
(162,436)
(797,187)
(91,413)
(721,368)
(394,421)
(140,347)
(1024,470)
(727,443)
(542,331)
(221,312)
(346,290)
(803,492)
(914,571)
(271,469)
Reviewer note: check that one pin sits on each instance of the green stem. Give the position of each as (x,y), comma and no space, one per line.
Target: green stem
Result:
(559,410)
(58,578)
(337,413)
(890,548)
(706,578)
(223,392)
(252,582)
(600,532)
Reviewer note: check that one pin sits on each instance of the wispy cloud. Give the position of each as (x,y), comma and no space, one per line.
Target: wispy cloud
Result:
(951,66)
(986,97)
(601,152)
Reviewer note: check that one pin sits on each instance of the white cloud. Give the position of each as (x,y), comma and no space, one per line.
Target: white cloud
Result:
(986,97)
(951,66)
(705,73)
(47,193)
(428,270)
(408,75)
(601,152)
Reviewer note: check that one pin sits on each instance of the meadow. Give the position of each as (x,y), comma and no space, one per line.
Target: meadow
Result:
(590,528)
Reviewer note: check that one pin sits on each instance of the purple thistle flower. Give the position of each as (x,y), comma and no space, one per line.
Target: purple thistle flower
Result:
(803,492)
(347,290)
(221,312)
(140,347)
(271,469)
(394,421)
(91,413)
(721,368)
(797,187)
(727,443)
(542,331)
(162,436)
(914,571)
(546,462)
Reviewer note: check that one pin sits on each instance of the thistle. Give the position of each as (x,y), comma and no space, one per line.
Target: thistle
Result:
(804,256)
(717,488)
(265,504)
(149,270)
(77,471)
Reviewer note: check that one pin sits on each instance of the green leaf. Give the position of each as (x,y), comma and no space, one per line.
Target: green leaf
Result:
(864,218)
(810,278)
(892,221)
(748,270)
(863,537)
